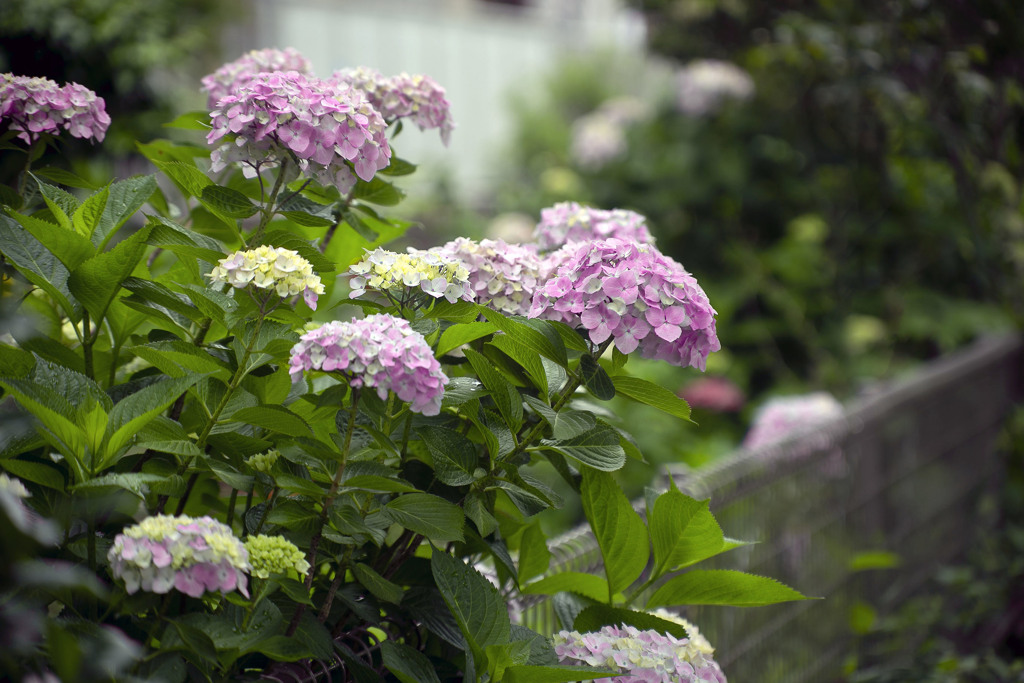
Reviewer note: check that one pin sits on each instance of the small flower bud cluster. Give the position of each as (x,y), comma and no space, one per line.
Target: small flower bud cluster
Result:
(569,222)
(643,656)
(274,555)
(36,106)
(191,555)
(635,295)
(418,98)
(330,129)
(704,85)
(393,274)
(781,416)
(263,462)
(281,270)
(501,276)
(379,351)
(233,75)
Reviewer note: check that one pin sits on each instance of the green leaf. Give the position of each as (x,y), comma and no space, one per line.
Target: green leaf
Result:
(526,358)
(65,178)
(67,245)
(178,358)
(453,454)
(227,202)
(137,483)
(505,396)
(597,381)
(35,472)
(408,664)
(462,333)
(460,390)
(230,476)
(526,335)
(182,241)
(478,608)
(197,641)
(163,151)
(654,395)
(431,516)
(38,264)
(379,484)
(534,556)
(150,290)
(587,585)
(193,120)
(877,559)
(619,530)
(130,414)
(88,215)
(564,425)
(683,532)
(186,175)
(377,584)
(377,191)
(722,587)
(599,448)
(594,617)
(398,167)
(286,240)
(273,418)
(124,199)
(97,281)
(61,203)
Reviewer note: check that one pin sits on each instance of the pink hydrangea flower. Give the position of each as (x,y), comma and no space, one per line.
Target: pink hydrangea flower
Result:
(233,75)
(330,130)
(569,222)
(783,415)
(192,555)
(717,394)
(379,351)
(37,106)
(418,98)
(643,656)
(633,294)
(502,276)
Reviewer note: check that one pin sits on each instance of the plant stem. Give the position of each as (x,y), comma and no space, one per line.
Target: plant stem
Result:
(87,341)
(268,205)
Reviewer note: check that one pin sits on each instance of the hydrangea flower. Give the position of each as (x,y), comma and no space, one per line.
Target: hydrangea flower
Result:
(781,416)
(717,394)
(704,85)
(191,555)
(36,106)
(643,656)
(600,136)
(418,98)
(394,274)
(379,351)
(636,296)
(233,75)
(329,129)
(502,276)
(264,462)
(569,222)
(281,270)
(274,555)
(696,643)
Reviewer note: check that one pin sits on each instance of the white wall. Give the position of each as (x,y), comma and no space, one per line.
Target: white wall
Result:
(479,52)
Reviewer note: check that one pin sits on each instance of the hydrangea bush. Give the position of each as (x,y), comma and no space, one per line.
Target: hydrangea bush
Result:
(245,433)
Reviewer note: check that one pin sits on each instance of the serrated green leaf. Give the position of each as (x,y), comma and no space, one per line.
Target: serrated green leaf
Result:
(534,556)
(654,395)
(594,617)
(186,175)
(478,608)
(124,199)
(722,587)
(227,202)
(526,335)
(177,358)
(377,584)
(597,381)
(408,664)
(683,532)
(169,235)
(35,472)
(527,359)
(588,585)
(566,424)
(192,120)
(398,167)
(273,418)
(136,483)
(453,454)
(307,220)
(428,515)
(38,264)
(64,177)
(376,483)
(619,530)
(505,396)
(462,333)
(460,390)
(87,216)
(600,448)
(151,290)
(130,414)
(230,476)
(61,203)
(67,245)
(97,281)
(377,191)
(320,263)
(553,673)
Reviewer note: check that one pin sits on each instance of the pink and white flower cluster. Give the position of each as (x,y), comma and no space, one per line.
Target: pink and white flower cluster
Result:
(704,85)
(600,136)
(379,351)
(192,555)
(643,656)
(502,276)
(233,75)
(397,275)
(281,270)
(418,98)
(636,296)
(328,129)
(36,106)
(781,416)
(569,222)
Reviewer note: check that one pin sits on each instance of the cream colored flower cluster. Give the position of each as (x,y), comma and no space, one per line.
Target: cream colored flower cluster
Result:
(393,273)
(281,270)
